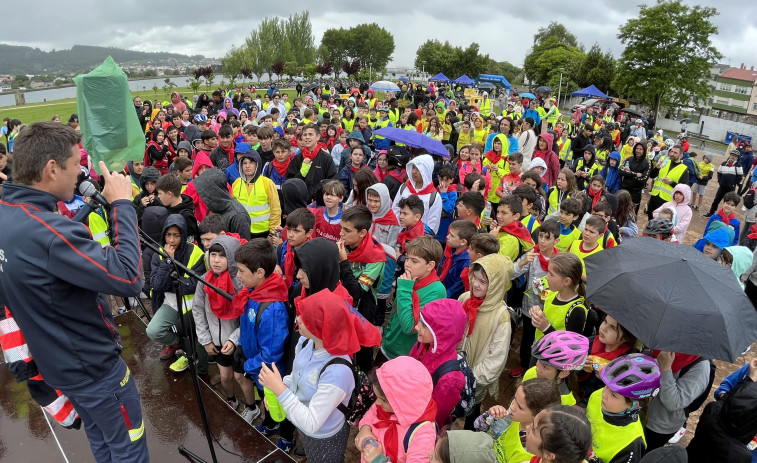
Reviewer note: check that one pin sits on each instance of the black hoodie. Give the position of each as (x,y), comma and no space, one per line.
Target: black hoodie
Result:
(149,174)
(187,210)
(294,195)
(160,278)
(319,258)
(153,220)
(214,191)
(726,427)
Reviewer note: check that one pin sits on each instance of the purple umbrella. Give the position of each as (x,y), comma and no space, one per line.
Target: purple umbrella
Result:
(414,139)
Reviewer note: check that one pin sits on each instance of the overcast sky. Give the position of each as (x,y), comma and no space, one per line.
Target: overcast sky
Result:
(193,27)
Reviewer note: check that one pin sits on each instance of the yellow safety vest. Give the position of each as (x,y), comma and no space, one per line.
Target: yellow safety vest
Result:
(394,116)
(662,189)
(194,257)
(554,203)
(609,439)
(565,152)
(531,223)
(602,154)
(593,170)
(348,124)
(98,226)
(565,399)
(255,202)
(371,102)
(508,447)
(380,125)
(553,115)
(135,188)
(556,314)
(485,108)
(496,171)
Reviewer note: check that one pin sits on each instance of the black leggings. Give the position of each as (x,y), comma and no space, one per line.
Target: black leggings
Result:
(656,440)
(526,341)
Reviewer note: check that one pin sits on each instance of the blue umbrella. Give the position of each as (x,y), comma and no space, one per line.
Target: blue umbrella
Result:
(414,139)
(404,79)
(384,86)
(528,95)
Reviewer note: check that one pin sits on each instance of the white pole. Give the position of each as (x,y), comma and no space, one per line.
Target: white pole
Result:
(559,90)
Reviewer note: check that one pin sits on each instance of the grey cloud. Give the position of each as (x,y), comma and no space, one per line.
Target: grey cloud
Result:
(504,30)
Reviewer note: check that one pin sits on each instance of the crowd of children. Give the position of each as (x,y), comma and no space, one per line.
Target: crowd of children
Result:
(380,286)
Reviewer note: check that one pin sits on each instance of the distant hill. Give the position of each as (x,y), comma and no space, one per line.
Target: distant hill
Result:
(80,58)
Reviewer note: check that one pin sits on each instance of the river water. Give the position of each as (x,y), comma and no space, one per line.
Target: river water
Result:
(52,94)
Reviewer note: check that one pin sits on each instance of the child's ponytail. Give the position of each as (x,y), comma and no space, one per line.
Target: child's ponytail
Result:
(568,265)
(581,289)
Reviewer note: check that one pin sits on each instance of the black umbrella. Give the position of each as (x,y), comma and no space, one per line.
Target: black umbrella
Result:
(631,111)
(673,298)
(543,89)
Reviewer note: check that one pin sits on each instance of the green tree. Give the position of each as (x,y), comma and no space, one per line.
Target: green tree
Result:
(299,35)
(558,31)
(676,69)
(537,69)
(209,78)
(370,44)
(155,90)
(309,71)
(509,71)
(194,84)
(436,57)
(597,69)
(232,63)
(291,69)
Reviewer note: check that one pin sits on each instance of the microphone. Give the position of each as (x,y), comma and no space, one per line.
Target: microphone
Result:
(89,190)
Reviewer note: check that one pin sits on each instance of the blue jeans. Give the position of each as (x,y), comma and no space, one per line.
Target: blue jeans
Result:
(112,416)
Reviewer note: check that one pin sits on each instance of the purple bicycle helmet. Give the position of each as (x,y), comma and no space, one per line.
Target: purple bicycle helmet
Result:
(564,350)
(635,376)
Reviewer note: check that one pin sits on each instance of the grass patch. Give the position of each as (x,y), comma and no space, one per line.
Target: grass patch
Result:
(34,112)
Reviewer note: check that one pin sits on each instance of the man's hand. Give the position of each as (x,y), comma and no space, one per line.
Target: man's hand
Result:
(117,186)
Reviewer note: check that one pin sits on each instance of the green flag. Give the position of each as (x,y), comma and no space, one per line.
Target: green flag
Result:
(110,128)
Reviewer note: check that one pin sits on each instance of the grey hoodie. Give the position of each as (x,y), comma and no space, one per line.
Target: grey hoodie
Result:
(210,328)
(214,191)
(384,233)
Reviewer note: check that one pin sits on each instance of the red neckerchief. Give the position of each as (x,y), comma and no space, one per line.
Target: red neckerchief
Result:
(464,275)
(518,230)
(390,421)
(726,219)
(448,261)
(417,286)
(354,169)
(471,306)
(369,251)
(281,168)
(272,289)
(229,151)
(428,189)
(397,174)
(388,219)
(752,232)
(595,197)
(493,157)
(221,307)
(543,261)
(289,266)
(308,154)
(339,289)
(598,350)
(408,235)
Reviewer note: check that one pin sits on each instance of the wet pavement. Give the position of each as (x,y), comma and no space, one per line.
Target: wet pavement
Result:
(169,407)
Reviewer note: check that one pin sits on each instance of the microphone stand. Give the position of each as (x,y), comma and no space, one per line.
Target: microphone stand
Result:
(188,336)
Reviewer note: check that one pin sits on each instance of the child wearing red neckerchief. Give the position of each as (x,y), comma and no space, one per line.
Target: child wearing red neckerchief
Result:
(533,265)
(514,238)
(361,268)
(299,230)
(456,257)
(328,217)
(264,318)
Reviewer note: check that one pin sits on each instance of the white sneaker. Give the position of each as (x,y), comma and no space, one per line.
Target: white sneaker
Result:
(677,436)
(249,414)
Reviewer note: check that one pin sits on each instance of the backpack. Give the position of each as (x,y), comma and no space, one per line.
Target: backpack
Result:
(749,197)
(468,394)
(362,396)
(411,431)
(288,355)
(696,403)
(390,266)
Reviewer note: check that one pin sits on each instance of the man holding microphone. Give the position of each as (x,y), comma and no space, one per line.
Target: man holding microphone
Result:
(53,277)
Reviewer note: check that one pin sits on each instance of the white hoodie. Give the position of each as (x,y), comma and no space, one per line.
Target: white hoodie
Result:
(425,165)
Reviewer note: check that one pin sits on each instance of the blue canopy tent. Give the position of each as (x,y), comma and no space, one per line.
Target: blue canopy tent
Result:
(440,78)
(590,92)
(464,80)
(494,79)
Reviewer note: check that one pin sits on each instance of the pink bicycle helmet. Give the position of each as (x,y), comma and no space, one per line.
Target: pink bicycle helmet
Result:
(635,376)
(564,350)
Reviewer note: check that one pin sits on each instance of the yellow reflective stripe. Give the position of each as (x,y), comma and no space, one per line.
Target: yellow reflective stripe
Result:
(136,434)
(251,208)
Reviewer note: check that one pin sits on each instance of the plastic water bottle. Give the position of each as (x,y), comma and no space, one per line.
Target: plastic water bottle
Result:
(368,442)
(488,210)
(275,410)
(498,425)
